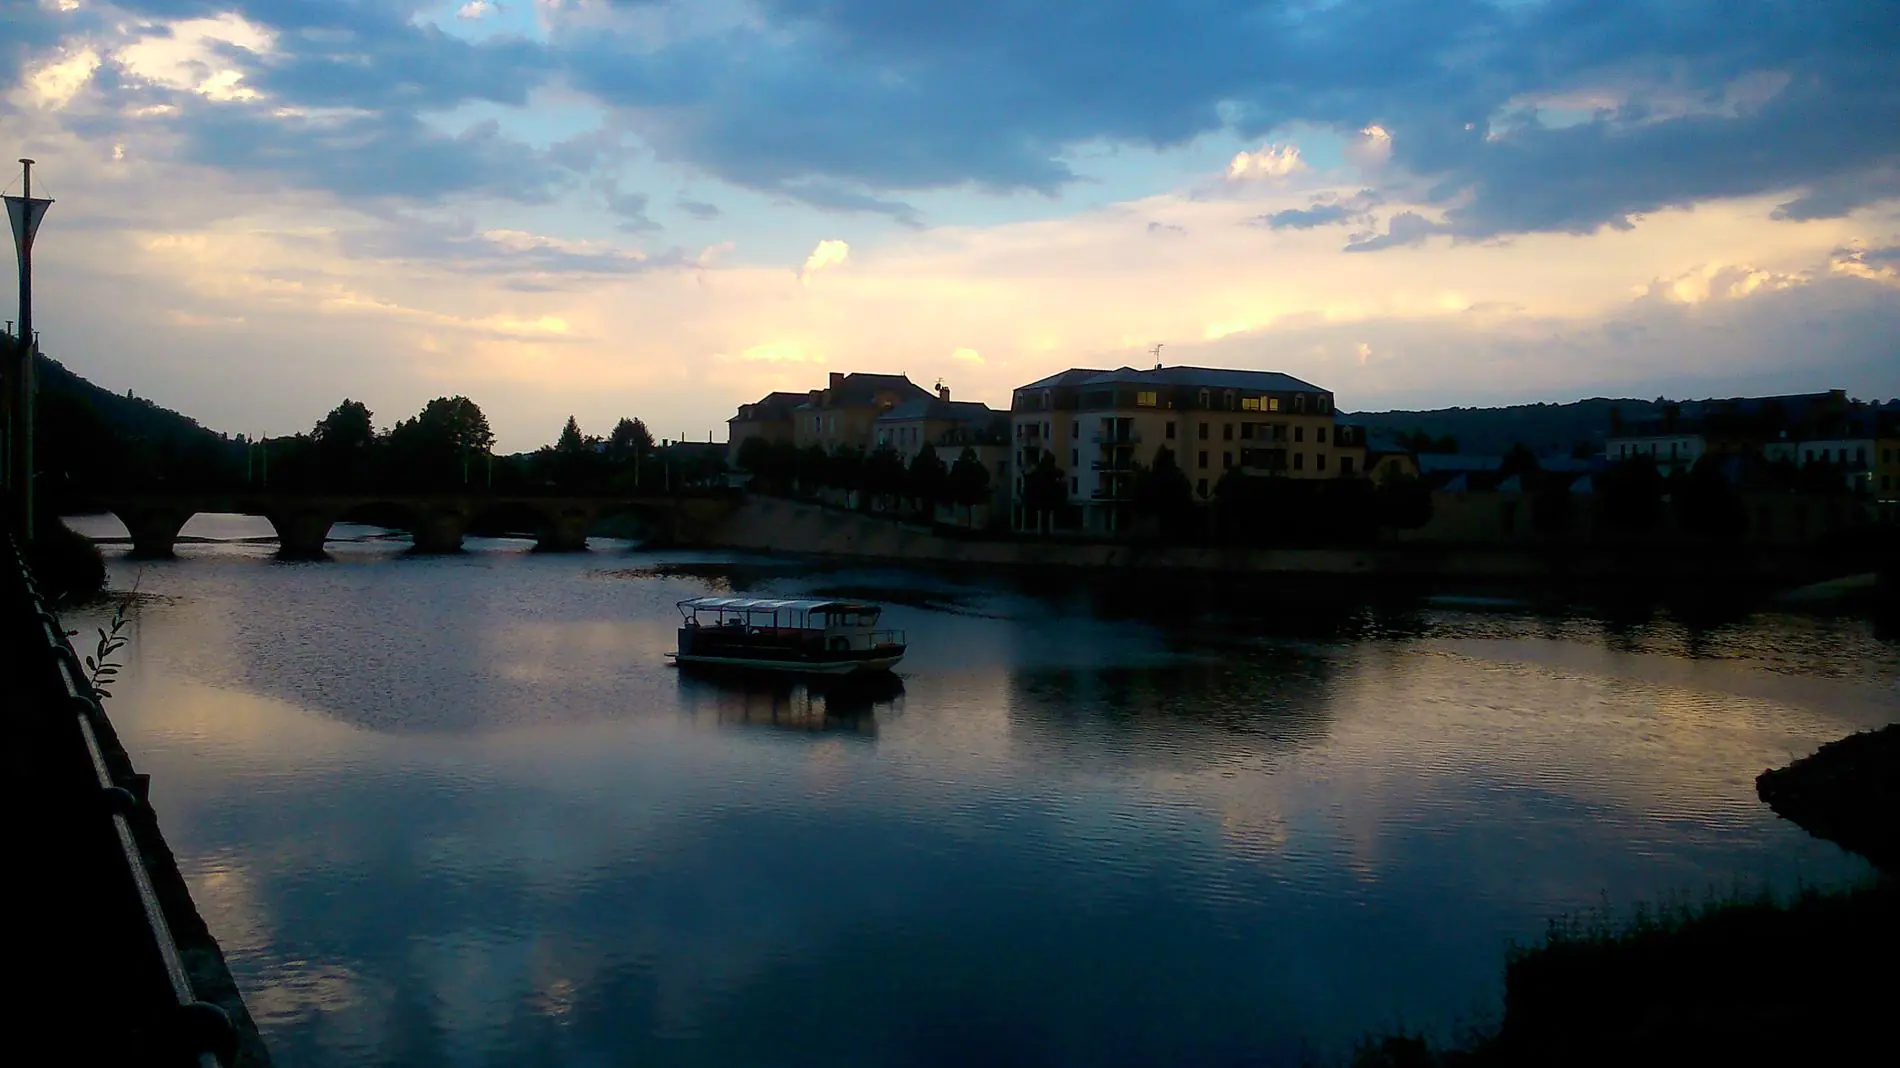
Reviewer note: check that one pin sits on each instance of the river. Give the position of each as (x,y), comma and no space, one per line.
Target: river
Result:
(457,811)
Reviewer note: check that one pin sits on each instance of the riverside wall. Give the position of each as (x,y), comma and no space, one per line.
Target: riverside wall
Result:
(768,524)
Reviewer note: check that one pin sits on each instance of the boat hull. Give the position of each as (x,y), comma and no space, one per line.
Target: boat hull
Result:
(856,666)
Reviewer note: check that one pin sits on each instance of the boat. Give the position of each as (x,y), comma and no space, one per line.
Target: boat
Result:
(813,637)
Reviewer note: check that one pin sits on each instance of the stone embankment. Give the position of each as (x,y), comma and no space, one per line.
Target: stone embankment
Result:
(772,524)
(118,964)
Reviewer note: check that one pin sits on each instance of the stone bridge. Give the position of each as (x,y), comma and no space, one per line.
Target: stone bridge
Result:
(437,522)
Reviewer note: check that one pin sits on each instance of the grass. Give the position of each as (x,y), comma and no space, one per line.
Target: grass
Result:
(1740,978)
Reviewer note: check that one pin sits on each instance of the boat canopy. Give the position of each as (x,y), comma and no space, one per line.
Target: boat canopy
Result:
(853,613)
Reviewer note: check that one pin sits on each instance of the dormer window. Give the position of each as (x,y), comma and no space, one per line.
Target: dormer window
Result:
(1204,399)
(1323,404)
(1273,404)
(1227,400)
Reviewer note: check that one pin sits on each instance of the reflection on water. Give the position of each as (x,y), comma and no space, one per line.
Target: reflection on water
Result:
(815,704)
(459,810)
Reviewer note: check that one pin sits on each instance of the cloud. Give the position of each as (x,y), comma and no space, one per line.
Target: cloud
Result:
(55,82)
(631,207)
(1305,218)
(698,209)
(1161,229)
(1272,161)
(963,355)
(476,9)
(1405,228)
(828,253)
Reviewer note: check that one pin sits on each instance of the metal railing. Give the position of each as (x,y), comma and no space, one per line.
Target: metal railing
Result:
(204,1029)
(1116,437)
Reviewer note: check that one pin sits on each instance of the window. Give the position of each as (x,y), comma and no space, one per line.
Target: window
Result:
(1246,431)
(1045,431)
(1170,430)
(1200,484)
(1203,398)
(1319,462)
(1299,402)
(1299,461)
(1324,404)
(1200,431)
(1227,432)
(1299,433)
(1075,431)
(1226,460)
(1145,399)
(1345,466)
(1201,460)
(1075,458)
(1672,450)
(1250,404)
(1075,485)
(1227,400)
(1320,436)
(1273,404)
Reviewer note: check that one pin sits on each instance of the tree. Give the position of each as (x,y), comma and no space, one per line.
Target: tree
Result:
(882,474)
(343,441)
(1164,494)
(572,441)
(1045,490)
(1705,503)
(631,440)
(437,446)
(927,480)
(1522,463)
(347,427)
(1630,493)
(754,455)
(1403,502)
(969,481)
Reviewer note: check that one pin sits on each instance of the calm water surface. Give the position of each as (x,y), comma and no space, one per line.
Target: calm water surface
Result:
(457,812)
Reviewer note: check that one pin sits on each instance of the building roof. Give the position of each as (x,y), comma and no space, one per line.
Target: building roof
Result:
(1206,378)
(1074,376)
(774,405)
(860,388)
(937,408)
(772,604)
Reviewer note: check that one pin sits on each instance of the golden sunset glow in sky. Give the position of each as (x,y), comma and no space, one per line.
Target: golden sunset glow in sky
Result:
(666,209)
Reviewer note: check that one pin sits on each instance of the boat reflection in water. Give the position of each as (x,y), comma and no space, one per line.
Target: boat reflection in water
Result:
(844,704)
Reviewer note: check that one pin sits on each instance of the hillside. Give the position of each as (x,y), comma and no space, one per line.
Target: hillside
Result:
(94,438)
(1546,428)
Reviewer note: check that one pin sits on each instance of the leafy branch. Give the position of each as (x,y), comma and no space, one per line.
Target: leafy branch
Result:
(101,671)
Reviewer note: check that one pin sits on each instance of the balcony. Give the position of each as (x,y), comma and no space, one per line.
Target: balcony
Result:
(1117,437)
(1115,461)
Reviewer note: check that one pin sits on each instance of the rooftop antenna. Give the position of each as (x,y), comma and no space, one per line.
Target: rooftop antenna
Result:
(1156,353)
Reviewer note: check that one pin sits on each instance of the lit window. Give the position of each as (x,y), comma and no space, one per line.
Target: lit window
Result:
(1250,404)
(1145,399)
(1273,404)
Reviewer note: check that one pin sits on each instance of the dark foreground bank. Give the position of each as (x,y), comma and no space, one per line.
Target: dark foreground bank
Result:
(118,965)
(1738,981)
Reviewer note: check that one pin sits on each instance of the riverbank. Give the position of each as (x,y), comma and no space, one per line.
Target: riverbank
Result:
(1730,982)
(770,524)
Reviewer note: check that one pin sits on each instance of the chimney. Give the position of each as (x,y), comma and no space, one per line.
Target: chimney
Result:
(943,392)
(837,379)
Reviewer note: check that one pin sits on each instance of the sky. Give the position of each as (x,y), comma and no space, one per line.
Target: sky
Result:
(664,209)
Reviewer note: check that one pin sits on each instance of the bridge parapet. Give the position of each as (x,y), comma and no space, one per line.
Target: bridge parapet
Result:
(437,523)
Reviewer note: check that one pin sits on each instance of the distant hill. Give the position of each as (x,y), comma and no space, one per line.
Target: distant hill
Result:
(1545,428)
(92,438)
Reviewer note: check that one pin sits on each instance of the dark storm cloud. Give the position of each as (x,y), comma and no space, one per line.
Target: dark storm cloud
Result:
(849,104)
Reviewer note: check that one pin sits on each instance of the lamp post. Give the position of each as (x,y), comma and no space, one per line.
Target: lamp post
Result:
(24,212)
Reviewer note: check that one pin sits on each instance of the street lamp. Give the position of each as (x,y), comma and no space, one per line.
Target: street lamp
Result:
(24,212)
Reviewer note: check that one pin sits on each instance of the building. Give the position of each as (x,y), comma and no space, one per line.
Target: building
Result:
(1100,427)
(1672,445)
(845,413)
(1887,462)
(951,427)
(769,418)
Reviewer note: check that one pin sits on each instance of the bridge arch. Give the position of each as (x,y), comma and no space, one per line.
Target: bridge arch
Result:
(556,525)
(153,526)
